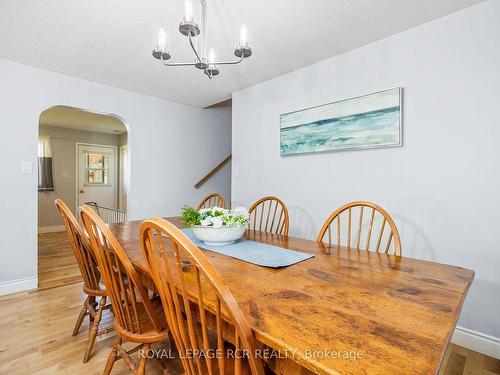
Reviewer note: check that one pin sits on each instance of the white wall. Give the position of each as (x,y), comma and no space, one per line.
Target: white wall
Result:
(442,187)
(168,145)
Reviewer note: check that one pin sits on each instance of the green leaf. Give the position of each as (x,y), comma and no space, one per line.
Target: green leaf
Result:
(190,217)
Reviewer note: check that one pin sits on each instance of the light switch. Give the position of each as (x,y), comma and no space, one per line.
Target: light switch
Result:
(235,171)
(27,167)
(64,174)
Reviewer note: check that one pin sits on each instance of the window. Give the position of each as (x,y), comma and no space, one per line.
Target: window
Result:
(97,168)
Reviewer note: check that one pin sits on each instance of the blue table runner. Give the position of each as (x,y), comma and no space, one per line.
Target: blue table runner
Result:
(254,252)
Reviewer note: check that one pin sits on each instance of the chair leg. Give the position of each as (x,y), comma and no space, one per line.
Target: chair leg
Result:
(93,304)
(112,356)
(94,330)
(81,316)
(141,370)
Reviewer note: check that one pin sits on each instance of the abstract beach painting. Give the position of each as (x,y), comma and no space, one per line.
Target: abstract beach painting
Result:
(367,121)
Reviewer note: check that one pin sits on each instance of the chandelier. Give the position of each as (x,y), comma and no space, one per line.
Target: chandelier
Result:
(194,25)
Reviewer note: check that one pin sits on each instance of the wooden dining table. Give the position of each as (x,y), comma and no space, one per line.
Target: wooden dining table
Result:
(340,312)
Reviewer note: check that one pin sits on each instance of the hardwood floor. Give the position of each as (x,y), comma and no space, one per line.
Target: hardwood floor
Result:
(36,329)
(459,360)
(36,326)
(56,263)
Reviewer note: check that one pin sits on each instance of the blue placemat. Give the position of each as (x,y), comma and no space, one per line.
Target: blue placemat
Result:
(257,253)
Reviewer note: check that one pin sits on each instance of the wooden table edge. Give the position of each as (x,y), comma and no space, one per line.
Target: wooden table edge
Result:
(452,331)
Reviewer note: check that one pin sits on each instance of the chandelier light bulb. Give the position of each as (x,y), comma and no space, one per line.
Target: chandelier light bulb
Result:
(211,55)
(188,11)
(162,38)
(243,35)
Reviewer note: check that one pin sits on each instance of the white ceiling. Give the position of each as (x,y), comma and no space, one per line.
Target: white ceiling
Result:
(73,118)
(110,41)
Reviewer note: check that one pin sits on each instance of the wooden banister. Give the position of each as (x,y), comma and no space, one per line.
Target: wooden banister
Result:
(212,172)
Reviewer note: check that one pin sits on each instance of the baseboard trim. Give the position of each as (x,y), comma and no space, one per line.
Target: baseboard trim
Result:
(19,285)
(477,341)
(51,229)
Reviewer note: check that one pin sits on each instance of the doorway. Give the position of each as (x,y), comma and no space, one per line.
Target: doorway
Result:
(96,175)
(83,159)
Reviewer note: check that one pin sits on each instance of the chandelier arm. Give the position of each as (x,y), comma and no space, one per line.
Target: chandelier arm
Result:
(192,47)
(178,64)
(228,62)
(164,62)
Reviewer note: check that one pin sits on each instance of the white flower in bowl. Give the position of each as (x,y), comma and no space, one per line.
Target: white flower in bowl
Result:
(241,211)
(216,221)
(205,222)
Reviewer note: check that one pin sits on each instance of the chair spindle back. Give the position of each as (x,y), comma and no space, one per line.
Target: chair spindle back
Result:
(270,215)
(369,227)
(191,290)
(81,247)
(120,277)
(212,200)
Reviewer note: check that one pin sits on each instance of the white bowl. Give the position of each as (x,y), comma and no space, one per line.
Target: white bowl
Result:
(219,236)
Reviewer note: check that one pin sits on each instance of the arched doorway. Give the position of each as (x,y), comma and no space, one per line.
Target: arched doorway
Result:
(83,158)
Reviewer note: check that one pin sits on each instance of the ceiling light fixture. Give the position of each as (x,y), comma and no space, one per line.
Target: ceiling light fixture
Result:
(194,26)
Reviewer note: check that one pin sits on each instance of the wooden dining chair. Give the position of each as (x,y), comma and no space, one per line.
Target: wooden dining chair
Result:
(270,215)
(212,200)
(137,318)
(372,227)
(191,290)
(92,283)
